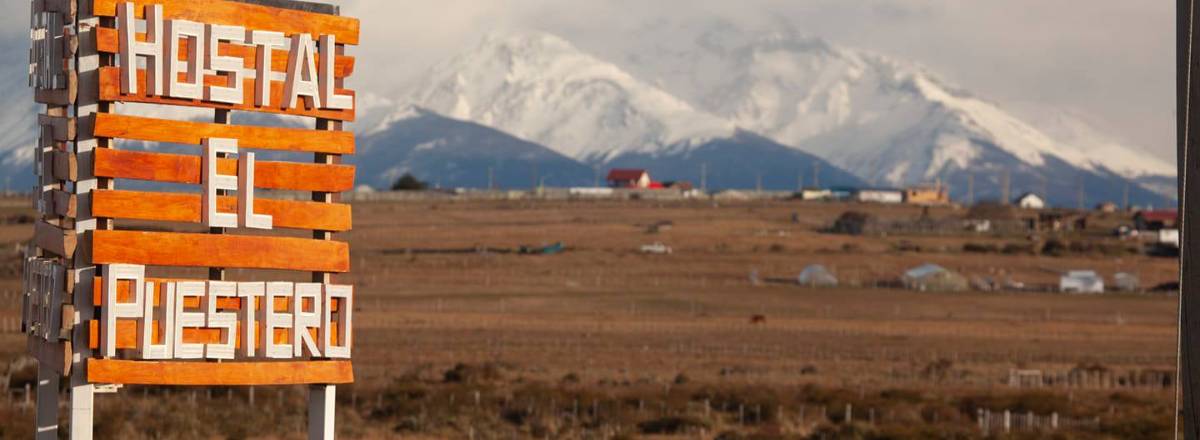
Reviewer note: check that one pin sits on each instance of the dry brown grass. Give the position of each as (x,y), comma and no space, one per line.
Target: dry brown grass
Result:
(623,326)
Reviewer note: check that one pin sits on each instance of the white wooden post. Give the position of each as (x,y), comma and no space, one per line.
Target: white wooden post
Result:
(87,64)
(47,403)
(321,401)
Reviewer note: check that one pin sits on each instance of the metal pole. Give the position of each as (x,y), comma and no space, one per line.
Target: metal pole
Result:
(1189,195)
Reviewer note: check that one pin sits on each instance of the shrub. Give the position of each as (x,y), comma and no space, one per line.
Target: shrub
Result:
(408,182)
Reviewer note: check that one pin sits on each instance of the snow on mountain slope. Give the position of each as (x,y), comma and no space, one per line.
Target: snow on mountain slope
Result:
(853,107)
(541,88)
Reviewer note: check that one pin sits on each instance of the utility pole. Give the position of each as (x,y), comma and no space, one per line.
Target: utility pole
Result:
(1125,198)
(1005,186)
(971,189)
(758,185)
(1081,195)
(800,181)
(704,177)
(816,174)
(491,179)
(536,177)
(1187,17)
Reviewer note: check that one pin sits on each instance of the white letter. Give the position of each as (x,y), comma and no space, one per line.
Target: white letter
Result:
(226,321)
(162,320)
(191,289)
(272,320)
(214,182)
(193,86)
(328,95)
(306,319)
(217,64)
(130,49)
(248,218)
(114,310)
(250,292)
(344,296)
(264,43)
(302,74)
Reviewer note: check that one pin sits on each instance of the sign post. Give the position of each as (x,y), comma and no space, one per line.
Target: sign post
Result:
(105,306)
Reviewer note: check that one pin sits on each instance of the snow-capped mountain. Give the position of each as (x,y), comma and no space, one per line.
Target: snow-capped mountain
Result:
(456,154)
(890,122)
(539,87)
(543,89)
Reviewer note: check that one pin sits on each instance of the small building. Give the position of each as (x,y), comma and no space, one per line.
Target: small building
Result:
(1107,207)
(1081,281)
(815,194)
(1168,238)
(1031,201)
(934,278)
(1127,282)
(629,178)
(927,195)
(681,185)
(1156,220)
(817,276)
(879,195)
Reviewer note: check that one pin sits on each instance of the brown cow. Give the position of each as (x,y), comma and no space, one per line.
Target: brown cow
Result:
(758,320)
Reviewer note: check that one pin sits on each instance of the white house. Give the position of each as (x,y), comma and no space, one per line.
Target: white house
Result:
(1031,201)
(894,196)
(1081,281)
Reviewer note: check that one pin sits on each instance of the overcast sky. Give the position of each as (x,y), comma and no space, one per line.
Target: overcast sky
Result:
(1111,61)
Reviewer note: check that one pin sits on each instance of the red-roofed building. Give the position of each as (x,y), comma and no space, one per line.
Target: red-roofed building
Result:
(629,178)
(1156,220)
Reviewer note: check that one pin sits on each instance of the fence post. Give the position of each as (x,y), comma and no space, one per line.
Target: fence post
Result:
(849,413)
(1054,421)
(1007,421)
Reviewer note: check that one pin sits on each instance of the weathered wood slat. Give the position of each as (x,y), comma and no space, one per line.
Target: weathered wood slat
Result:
(110,90)
(62,127)
(110,125)
(56,240)
(185,169)
(186,208)
(343,66)
(65,203)
(227,251)
(224,374)
(65,165)
(246,15)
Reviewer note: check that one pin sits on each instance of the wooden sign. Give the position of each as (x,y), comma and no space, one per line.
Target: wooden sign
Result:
(94,283)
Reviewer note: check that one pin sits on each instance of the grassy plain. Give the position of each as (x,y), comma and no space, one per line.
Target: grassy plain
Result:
(603,341)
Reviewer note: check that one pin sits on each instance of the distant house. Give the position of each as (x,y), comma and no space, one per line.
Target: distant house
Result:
(1031,201)
(927,195)
(879,195)
(681,185)
(1107,207)
(1081,281)
(815,194)
(1156,220)
(934,278)
(817,276)
(629,178)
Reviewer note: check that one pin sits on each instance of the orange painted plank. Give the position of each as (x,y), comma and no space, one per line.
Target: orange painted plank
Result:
(185,169)
(110,125)
(219,374)
(185,208)
(228,251)
(343,66)
(246,15)
(110,90)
